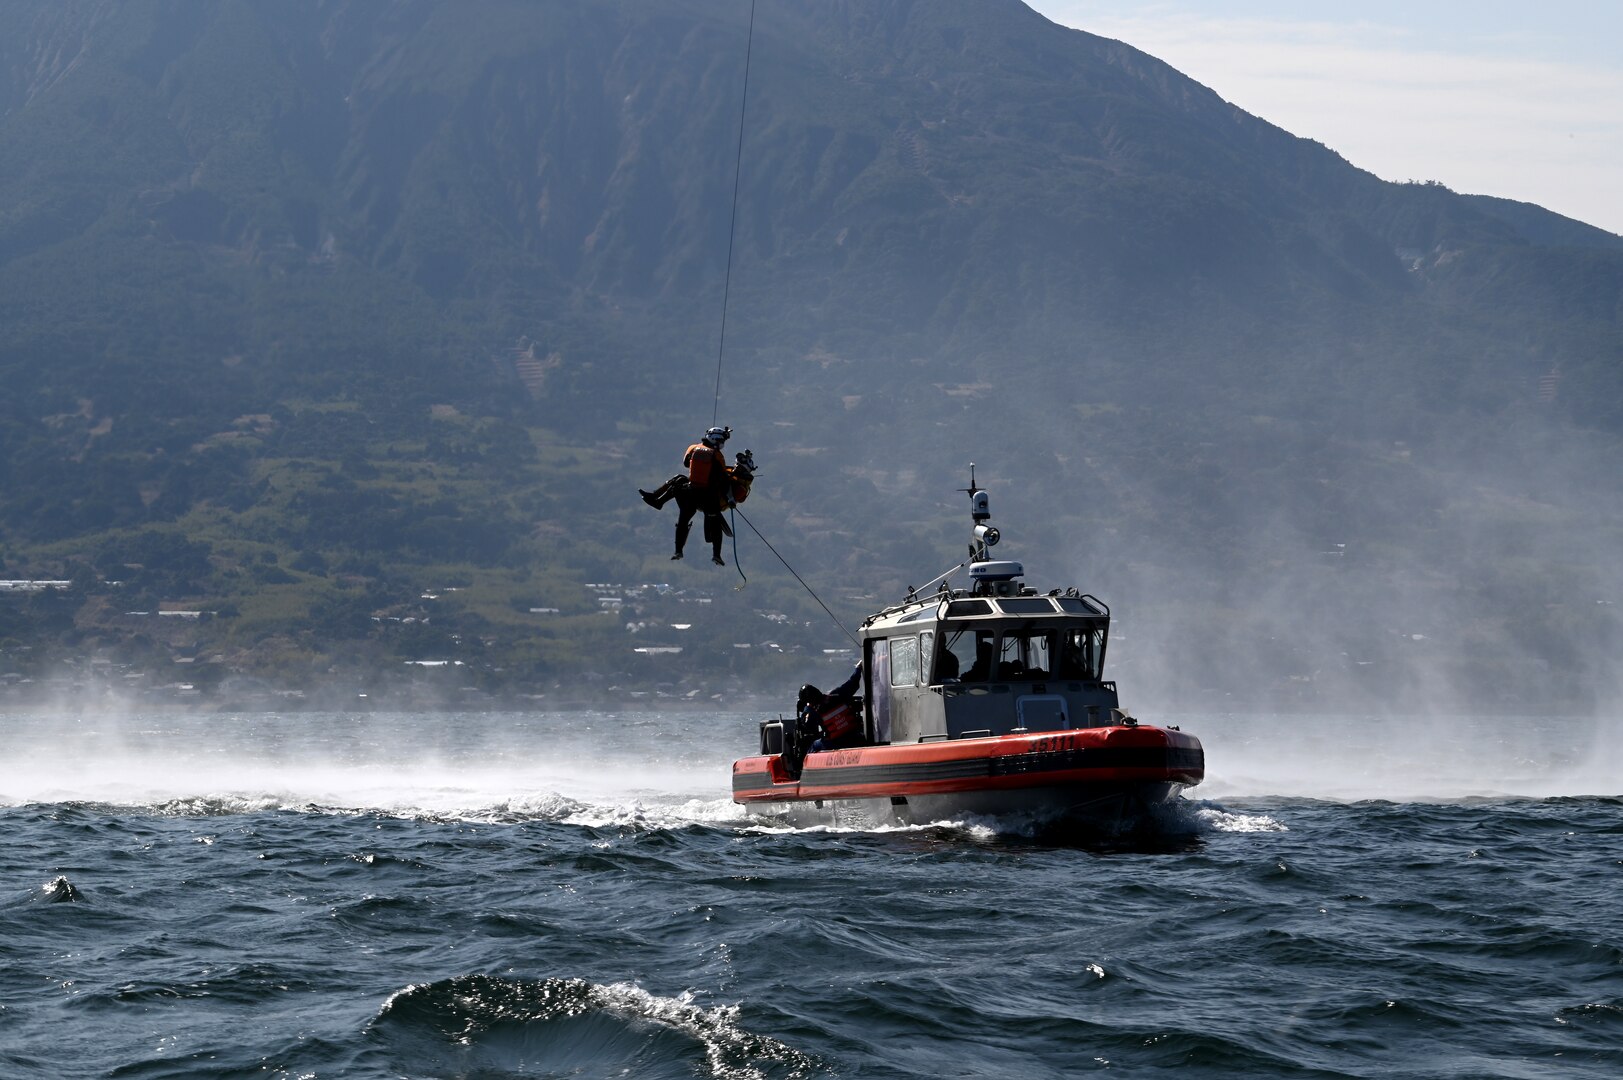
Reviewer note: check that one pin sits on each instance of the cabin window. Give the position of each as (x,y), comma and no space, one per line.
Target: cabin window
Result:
(926,653)
(1081,654)
(1024,654)
(1027,605)
(966,655)
(969,607)
(904,661)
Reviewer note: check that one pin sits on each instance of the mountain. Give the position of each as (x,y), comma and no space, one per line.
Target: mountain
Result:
(309,310)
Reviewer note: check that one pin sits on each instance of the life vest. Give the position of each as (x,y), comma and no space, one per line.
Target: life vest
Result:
(702,462)
(741,484)
(838,720)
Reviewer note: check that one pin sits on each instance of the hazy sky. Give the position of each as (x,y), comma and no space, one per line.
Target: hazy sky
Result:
(1489,97)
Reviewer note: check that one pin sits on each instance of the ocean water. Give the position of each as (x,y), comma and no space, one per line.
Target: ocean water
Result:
(574,895)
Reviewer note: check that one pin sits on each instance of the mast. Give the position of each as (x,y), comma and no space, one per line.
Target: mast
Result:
(988,576)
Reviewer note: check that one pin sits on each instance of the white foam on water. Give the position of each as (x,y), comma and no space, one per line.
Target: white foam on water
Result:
(671,771)
(485,1013)
(590,768)
(731,1051)
(1408,758)
(642,815)
(1216,819)
(773,826)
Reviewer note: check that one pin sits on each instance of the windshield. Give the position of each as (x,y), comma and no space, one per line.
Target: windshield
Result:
(1081,654)
(986,654)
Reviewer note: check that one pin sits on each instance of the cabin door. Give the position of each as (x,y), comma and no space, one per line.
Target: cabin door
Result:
(879,690)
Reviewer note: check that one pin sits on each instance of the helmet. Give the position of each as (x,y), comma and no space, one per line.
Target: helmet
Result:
(746,462)
(717,435)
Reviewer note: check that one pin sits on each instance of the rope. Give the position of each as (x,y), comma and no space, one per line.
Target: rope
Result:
(732,228)
(736,564)
(798,578)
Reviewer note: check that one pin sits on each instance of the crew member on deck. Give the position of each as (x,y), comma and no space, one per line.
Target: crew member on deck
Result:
(837,715)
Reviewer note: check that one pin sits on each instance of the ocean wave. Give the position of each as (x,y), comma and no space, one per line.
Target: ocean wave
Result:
(657,815)
(1210,817)
(540,806)
(474,1023)
(59,890)
(1603,1015)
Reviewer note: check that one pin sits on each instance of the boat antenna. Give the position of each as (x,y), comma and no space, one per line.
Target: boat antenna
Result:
(971,490)
(798,578)
(914,590)
(732,228)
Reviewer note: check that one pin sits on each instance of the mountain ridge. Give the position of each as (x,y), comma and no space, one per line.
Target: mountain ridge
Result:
(320,308)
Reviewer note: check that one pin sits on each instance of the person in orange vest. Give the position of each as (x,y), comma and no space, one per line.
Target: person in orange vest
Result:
(709,486)
(740,476)
(836,716)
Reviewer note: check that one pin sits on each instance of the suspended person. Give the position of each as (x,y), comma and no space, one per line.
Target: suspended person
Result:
(740,475)
(700,488)
(708,487)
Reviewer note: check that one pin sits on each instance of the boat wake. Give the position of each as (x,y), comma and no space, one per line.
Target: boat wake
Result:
(1211,818)
(452,802)
(1171,823)
(554,807)
(213,773)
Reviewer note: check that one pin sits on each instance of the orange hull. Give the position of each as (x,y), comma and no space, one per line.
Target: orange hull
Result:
(1074,766)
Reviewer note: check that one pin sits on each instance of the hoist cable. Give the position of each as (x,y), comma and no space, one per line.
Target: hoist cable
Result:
(798,578)
(732,228)
(736,564)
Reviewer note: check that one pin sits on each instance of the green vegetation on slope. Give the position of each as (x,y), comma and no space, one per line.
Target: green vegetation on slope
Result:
(308,315)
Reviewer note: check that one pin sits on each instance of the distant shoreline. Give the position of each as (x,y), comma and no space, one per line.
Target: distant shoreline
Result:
(81,700)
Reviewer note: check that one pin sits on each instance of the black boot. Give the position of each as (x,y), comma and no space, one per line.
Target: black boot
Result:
(715,526)
(662,494)
(682,530)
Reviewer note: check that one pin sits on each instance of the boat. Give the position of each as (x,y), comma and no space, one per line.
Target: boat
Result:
(988,701)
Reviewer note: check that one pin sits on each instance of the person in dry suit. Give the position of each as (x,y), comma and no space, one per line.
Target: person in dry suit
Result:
(708,487)
(825,721)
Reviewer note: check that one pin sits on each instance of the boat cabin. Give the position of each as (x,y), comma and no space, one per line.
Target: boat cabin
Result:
(987,700)
(996,660)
